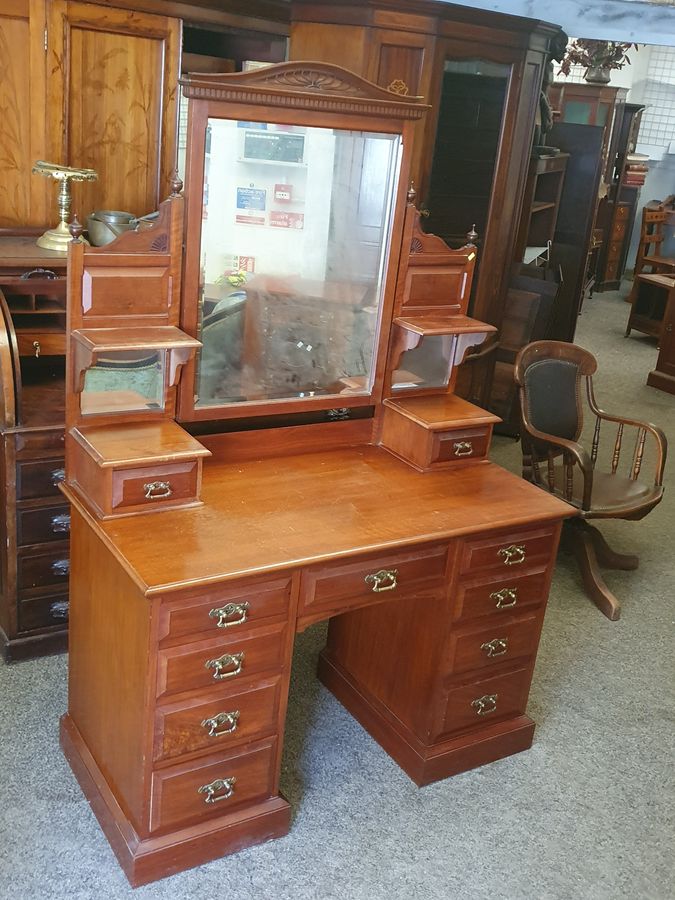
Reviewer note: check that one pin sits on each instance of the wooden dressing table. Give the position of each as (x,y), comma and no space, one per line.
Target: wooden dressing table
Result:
(196,557)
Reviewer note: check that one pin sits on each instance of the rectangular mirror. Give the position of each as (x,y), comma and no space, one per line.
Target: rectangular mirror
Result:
(125,381)
(294,242)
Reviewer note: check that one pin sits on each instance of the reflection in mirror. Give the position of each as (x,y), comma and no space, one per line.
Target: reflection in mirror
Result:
(294,240)
(125,381)
(427,365)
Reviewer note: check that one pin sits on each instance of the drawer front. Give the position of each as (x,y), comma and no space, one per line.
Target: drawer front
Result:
(42,612)
(488,646)
(623,212)
(49,440)
(454,446)
(211,787)
(486,700)
(207,663)
(500,595)
(508,552)
(225,718)
(618,231)
(39,478)
(42,569)
(224,611)
(338,587)
(41,343)
(153,486)
(614,251)
(35,526)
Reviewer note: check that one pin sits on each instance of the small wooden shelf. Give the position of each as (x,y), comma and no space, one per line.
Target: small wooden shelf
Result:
(432,325)
(138,443)
(159,337)
(443,412)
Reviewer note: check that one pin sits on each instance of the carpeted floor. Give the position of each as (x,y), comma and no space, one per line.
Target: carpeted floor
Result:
(586,813)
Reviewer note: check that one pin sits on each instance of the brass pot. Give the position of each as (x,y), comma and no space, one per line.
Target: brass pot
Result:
(105,225)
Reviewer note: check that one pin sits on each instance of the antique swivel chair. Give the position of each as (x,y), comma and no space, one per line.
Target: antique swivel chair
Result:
(549,375)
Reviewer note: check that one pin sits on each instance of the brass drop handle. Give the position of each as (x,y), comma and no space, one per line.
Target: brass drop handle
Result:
(485,704)
(384,580)
(512,555)
(229,720)
(61,567)
(230,614)
(226,785)
(157,490)
(58,475)
(495,647)
(221,665)
(37,348)
(505,598)
(463,448)
(59,609)
(61,524)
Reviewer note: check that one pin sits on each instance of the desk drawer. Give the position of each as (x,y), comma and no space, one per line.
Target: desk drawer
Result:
(500,594)
(39,478)
(336,587)
(41,343)
(508,551)
(217,661)
(223,610)
(36,526)
(489,645)
(484,701)
(224,718)
(42,569)
(454,446)
(205,788)
(41,612)
(151,486)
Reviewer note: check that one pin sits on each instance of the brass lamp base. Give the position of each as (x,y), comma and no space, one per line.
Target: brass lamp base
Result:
(56,238)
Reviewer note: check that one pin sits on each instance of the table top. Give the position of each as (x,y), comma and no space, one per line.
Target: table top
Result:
(23,251)
(266,515)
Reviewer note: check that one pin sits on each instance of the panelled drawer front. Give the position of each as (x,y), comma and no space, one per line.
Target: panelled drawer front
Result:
(614,252)
(224,718)
(450,446)
(224,611)
(35,526)
(51,440)
(373,579)
(40,612)
(39,478)
(622,212)
(618,231)
(218,661)
(483,701)
(500,594)
(487,646)
(42,569)
(180,793)
(41,343)
(152,486)
(508,551)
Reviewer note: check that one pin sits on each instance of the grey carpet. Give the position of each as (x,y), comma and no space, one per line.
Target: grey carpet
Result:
(586,813)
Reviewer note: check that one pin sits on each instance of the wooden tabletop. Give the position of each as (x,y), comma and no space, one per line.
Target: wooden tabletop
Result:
(278,513)
(443,411)
(23,251)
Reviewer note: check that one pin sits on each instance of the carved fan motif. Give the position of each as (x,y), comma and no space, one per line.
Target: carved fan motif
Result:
(415,245)
(160,243)
(308,80)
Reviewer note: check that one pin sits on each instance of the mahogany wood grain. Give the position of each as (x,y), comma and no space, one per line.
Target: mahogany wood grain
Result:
(138,444)
(442,412)
(491,553)
(511,639)
(461,709)
(480,596)
(130,486)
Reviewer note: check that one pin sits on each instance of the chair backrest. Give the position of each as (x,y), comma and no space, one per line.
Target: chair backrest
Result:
(549,374)
(654,215)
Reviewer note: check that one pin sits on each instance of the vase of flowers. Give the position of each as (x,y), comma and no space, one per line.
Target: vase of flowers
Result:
(599,58)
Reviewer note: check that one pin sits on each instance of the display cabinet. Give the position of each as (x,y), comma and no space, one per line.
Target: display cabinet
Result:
(345,481)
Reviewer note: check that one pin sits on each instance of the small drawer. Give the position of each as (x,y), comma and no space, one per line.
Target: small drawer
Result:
(614,251)
(50,440)
(500,594)
(217,661)
(486,646)
(329,588)
(623,212)
(481,702)
(210,787)
(41,612)
(35,526)
(618,230)
(224,610)
(41,343)
(154,486)
(43,569)
(39,478)
(226,717)
(507,551)
(454,446)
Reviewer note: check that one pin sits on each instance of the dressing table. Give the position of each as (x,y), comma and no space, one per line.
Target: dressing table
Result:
(262,434)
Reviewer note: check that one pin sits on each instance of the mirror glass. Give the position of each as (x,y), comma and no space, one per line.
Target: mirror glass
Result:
(293,251)
(124,381)
(427,365)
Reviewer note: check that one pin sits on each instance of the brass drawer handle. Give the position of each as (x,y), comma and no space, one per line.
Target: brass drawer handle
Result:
(220,665)
(58,475)
(37,348)
(59,609)
(61,567)
(495,647)
(462,448)
(229,719)
(220,784)
(512,555)
(157,490)
(485,704)
(225,613)
(61,524)
(384,580)
(506,598)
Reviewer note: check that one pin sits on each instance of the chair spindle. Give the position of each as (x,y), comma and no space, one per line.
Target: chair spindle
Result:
(551,472)
(569,476)
(617,448)
(638,454)
(596,440)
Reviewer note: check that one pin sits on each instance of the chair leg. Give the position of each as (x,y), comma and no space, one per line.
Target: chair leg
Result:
(608,557)
(584,551)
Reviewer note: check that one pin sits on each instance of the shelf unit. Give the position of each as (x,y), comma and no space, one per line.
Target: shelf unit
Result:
(541,202)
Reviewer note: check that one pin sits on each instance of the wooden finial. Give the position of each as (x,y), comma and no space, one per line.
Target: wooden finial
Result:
(472,236)
(176,184)
(75,228)
(412,193)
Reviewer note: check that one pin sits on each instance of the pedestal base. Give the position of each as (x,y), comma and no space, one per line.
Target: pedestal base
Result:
(148,859)
(661,381)
(426,763)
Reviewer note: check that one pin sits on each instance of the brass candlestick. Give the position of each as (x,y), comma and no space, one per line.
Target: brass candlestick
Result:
(58,238)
